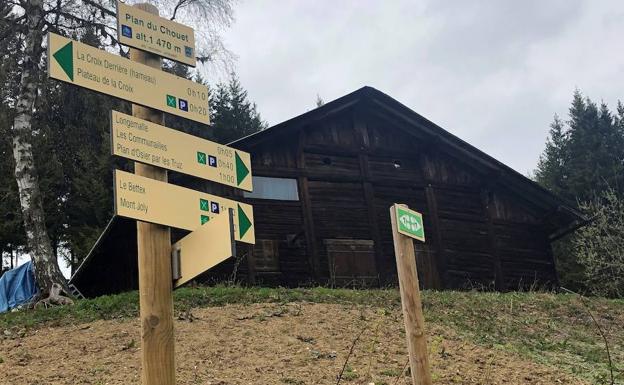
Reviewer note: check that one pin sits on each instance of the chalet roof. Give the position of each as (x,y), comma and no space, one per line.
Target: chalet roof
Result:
(561,214)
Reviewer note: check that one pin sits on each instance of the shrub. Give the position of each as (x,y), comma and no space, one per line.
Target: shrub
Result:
(600,245)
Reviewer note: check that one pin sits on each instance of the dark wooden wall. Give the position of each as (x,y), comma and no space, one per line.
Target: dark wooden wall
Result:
(350,167)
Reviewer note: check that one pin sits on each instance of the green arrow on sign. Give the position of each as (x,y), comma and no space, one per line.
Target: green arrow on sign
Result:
(65,58)
(241,170)
(244,223)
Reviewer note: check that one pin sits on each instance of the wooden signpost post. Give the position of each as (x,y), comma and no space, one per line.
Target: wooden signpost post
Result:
(216,223)
(154,257)
(408,224)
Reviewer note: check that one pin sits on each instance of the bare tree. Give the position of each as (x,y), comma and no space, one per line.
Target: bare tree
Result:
(30,20)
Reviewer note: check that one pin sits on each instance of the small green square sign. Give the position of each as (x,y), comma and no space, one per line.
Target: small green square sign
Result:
(201,157)
(410,223)
(171,101)
(203,204)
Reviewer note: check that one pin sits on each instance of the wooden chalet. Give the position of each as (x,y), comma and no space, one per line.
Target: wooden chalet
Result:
(323,185)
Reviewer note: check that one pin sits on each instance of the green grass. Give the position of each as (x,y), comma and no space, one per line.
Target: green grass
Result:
(126,305)
(553,329)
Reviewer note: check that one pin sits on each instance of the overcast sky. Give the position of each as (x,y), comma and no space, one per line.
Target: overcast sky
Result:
(491,72)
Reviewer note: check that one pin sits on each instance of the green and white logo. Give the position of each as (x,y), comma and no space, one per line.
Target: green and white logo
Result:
(201,157)
(410,223)
(171,101)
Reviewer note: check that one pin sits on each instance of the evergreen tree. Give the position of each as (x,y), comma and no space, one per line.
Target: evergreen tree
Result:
(587,156)
(233,115)
(580,162)
(551,166)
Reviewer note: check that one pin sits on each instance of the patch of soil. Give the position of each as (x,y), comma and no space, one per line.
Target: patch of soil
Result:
(270,344)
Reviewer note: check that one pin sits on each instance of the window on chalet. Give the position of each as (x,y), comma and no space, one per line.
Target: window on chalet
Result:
(283,189)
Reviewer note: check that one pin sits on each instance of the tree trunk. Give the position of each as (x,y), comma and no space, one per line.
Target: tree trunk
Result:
(47,271)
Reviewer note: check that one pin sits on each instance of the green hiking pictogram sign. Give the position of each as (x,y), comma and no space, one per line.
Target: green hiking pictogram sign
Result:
(171,101)
(65,58)
(410,223)
(201,157)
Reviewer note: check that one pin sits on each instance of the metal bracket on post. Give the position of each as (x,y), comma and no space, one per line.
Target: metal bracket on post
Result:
(176,254)
(232,231)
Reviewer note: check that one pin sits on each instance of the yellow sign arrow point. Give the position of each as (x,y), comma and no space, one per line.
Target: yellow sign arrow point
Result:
(203,249)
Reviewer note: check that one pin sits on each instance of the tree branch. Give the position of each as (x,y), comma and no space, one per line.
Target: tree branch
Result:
(180,4)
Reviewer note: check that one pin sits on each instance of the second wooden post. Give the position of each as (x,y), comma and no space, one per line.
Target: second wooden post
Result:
(154,253)
(407,224)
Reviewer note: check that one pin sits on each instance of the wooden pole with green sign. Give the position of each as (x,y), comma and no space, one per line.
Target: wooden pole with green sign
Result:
(408,224)
(154,255)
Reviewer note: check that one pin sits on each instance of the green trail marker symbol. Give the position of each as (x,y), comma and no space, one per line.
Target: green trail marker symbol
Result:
(241,169)
(201,157)
(171,101)
(244,223)
(65,58)
(410,223)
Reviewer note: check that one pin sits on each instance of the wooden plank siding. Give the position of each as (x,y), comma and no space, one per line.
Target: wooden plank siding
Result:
(486,226)
(351,166)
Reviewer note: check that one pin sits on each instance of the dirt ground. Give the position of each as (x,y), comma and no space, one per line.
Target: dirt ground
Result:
(263,344)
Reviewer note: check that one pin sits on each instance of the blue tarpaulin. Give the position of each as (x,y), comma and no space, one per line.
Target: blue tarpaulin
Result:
(17,286)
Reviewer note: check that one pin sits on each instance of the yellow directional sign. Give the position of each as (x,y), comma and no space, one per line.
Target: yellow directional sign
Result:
(151,143)
(146,31)
(85,66)
(153,201)
(203,249)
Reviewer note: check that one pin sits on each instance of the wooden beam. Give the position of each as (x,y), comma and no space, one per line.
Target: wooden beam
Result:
(490,211)
(154,258)
(440,264)
(306,211)
(361,130)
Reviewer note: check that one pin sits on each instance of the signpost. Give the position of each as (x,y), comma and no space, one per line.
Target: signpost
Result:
(152,201)
(153,258)
(85,66)
(408,224)
(203,249)
(146,31)
(151,143)
(146,196)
